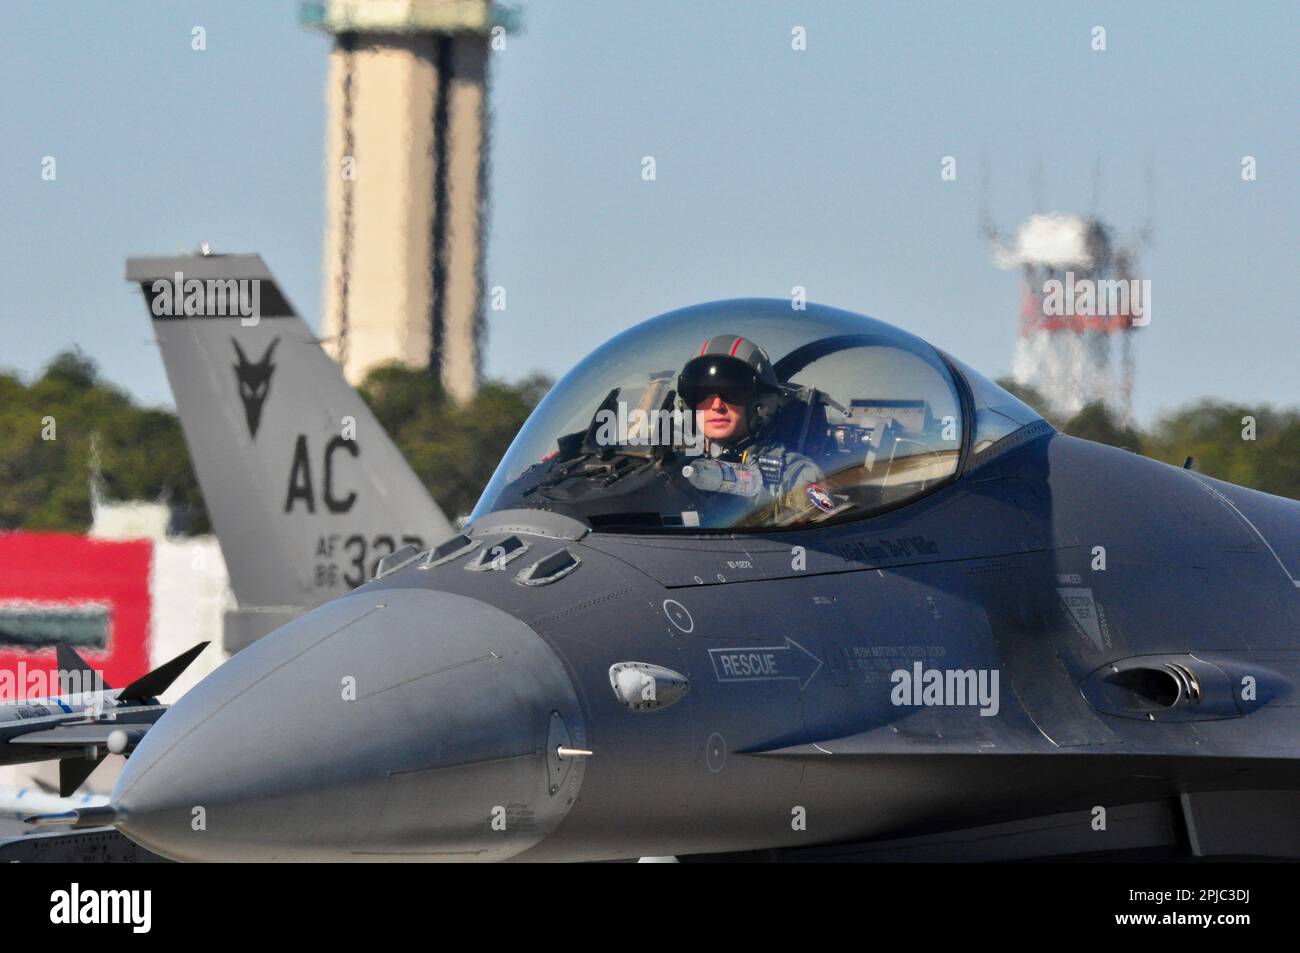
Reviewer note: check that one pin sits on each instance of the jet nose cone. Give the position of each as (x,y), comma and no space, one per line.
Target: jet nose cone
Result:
(391,724)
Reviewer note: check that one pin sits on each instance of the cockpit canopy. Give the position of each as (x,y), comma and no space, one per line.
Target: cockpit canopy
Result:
(867,417)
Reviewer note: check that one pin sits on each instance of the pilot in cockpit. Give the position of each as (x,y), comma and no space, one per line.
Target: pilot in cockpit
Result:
(736,397)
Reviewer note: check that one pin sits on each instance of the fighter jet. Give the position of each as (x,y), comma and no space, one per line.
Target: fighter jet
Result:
(82,726)
(769,583)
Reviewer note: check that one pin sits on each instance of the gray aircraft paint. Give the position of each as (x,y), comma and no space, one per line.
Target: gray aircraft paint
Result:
(302,513)
(469,684)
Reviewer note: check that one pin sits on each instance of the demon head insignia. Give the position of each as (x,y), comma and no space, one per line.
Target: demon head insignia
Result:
(254,378)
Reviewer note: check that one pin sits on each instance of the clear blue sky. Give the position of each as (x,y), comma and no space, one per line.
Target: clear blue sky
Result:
(775,168)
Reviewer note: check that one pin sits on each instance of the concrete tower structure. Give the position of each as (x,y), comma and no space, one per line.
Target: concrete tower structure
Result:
(405,183)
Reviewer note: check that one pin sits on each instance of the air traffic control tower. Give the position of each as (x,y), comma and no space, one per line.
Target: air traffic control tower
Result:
(406,162)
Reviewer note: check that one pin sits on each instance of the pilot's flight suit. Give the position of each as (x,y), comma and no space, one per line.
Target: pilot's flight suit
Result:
(785,473)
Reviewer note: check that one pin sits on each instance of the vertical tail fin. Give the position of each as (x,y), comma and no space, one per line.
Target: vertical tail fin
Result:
(305,490)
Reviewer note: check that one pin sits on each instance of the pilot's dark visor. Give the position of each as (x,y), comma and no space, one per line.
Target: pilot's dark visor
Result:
(730,378)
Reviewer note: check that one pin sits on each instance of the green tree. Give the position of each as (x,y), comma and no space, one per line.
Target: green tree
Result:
(1214,433)
(453,448)
(1095,422)
(141,452)
(45,484)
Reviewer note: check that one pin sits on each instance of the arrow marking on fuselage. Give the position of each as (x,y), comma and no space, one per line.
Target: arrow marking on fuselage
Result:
(765,663)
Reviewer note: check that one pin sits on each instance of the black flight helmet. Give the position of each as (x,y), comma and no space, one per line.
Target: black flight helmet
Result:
(737,370)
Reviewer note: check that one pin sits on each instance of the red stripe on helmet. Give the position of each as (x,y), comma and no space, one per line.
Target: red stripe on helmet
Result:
(735,347)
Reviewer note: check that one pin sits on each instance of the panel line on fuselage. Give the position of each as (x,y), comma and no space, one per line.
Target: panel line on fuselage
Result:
(1242,516)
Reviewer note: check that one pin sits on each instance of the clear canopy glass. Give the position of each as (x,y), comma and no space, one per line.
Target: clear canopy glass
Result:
(867,417)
